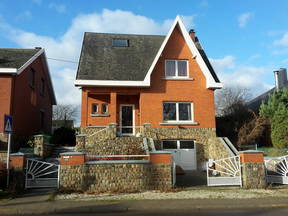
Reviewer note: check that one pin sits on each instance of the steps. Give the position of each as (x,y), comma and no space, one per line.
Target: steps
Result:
(61,149)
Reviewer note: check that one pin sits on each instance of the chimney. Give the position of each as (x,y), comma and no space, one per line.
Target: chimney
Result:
(280,78)
(192,34)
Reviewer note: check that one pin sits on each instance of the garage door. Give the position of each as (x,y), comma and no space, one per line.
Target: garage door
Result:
(184,152)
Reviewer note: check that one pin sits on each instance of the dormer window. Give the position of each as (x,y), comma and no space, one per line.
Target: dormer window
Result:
(120,43)
(176,68)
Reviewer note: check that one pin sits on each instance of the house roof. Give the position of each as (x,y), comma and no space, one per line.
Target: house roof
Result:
(101,61)
(15,58)
(255,103)
(101,64)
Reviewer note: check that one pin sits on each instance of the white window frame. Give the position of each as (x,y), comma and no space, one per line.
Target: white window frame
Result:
(107,111)
(176,69)
(97,110)
(178,144)
(177,112)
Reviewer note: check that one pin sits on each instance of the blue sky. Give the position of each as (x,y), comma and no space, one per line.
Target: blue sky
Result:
(245,40)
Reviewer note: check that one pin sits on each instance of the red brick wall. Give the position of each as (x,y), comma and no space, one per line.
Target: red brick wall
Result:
(27,102)
(5,97)
(151,99)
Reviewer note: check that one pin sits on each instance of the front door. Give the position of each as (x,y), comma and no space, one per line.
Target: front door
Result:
(127,119)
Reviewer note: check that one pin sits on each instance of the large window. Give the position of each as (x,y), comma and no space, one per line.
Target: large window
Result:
(177,111)
(176,68)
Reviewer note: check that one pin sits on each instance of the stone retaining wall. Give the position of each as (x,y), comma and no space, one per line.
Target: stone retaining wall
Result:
(41,147)
(116,177)
(217,150)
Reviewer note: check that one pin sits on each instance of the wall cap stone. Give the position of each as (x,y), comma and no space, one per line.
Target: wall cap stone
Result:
(147,124)
(39,135)
(17,154)
(112,124)
(96,126)
(81,135)
(118,162)
(72,153)
(250,152)
(160,152)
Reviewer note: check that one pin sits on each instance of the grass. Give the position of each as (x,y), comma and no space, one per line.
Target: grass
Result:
(5,194)
(273,152)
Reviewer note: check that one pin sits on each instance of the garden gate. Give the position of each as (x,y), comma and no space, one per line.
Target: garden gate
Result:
(277,170)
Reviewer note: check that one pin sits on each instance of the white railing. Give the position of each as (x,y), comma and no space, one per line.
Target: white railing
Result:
(226,171)
(277,170)
(97,132)
(135,130)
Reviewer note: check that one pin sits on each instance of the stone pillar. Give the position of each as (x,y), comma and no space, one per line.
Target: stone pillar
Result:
(17,174)
(39,145)
(80,142)
(253,169)
(112,130)
(146,129)
(161,170)
(72,158)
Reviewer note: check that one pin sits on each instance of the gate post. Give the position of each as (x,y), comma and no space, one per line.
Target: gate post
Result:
(253,169)
(17,163)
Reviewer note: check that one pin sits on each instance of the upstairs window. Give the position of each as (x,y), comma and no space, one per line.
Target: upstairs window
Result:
(104,108)
(42,88)
(32,78)
(94,108)
(120,43)
(176,68)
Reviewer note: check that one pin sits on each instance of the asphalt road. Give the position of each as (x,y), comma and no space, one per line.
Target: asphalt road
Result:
(200,212)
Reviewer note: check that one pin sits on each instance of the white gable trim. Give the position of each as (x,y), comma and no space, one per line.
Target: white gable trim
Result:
(24,66)
(210,82)
(111,83)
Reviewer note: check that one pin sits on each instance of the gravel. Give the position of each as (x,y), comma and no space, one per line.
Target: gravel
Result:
(190,193)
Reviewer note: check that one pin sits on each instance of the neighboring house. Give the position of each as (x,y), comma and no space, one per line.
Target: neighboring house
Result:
(280,83)
(26,91)
(165,81)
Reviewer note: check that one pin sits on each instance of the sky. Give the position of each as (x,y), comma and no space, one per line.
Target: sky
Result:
(245,40)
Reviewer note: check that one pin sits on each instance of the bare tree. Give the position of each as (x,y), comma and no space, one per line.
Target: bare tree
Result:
(65,112)
(231,99)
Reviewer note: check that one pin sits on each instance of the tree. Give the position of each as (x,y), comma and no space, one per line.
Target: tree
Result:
(276,109)
(231,111)
(65,112)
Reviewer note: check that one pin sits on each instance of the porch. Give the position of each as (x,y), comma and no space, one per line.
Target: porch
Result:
(120,108)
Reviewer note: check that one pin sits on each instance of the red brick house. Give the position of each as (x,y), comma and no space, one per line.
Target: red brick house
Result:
(26,91)
(165,82)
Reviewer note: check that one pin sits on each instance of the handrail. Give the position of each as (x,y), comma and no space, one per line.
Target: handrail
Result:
(97,132)
(101,156)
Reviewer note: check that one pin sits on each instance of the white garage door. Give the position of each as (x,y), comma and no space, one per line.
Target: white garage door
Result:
(184,152)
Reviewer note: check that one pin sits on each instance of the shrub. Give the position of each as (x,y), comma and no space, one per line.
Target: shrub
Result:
(63,136)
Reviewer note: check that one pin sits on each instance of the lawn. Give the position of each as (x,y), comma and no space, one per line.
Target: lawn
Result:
(273,152)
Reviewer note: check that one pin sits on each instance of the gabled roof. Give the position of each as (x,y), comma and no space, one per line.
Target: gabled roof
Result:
(103,65)
(15,61)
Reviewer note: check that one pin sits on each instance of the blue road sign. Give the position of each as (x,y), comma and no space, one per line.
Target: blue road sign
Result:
(7,124)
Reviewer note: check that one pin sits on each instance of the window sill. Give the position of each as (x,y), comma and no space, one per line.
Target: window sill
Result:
(179,123)
(100,115)
(177,78)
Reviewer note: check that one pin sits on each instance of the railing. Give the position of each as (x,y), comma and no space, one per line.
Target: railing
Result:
(116,157)
(99,131)
(135,130)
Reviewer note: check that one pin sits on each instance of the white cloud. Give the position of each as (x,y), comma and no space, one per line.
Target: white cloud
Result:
(283,41)
(69,44)
(233,74)
(60,8)
(244,18)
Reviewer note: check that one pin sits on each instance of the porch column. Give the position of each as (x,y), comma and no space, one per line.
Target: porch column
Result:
(113,107)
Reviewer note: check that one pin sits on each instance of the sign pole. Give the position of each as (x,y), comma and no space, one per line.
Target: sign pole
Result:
(8,158)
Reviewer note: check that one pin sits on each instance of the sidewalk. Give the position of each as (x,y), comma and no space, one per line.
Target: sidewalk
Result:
(35,203)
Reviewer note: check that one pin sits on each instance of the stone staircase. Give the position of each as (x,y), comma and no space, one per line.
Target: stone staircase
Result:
(61,149)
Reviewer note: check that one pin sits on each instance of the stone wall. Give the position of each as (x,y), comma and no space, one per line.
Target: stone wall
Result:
(3,141)
(200,135)
(217,150)
(116,146)
(41,146)
(253,175)
(116,177)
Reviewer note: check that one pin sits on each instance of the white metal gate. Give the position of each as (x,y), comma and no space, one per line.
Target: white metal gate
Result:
(40,174)
(226,171)
(277,170)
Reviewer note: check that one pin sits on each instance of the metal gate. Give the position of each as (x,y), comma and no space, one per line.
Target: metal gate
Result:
(277,170)
(226,171)
(40,174)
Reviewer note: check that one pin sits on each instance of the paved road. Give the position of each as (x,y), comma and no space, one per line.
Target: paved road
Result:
(202,212)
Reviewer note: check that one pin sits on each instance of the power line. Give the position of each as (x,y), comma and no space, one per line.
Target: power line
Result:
(63,60)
